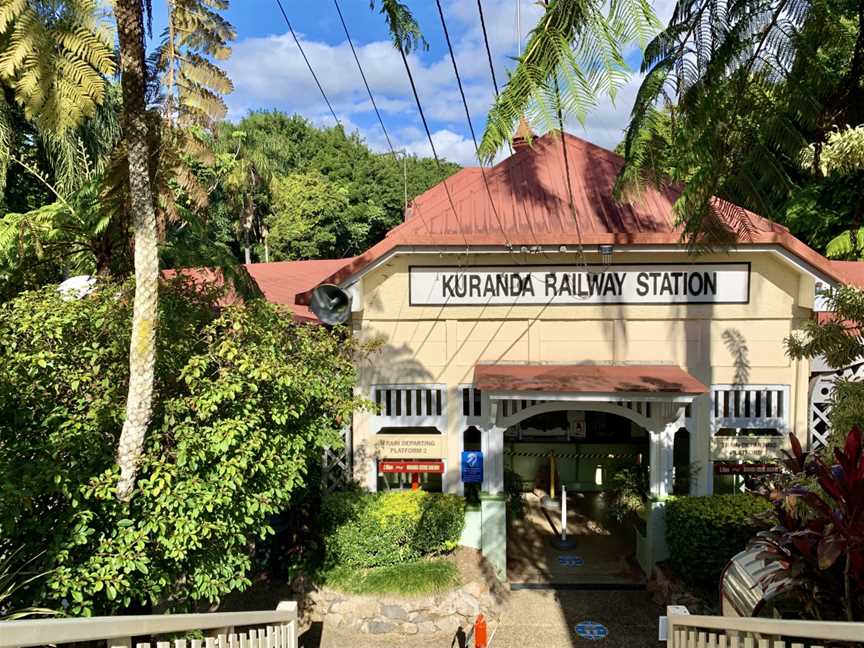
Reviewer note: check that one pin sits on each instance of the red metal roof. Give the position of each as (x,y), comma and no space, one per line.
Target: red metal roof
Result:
(529,191)
(282,281)
(854,271)
(594,379)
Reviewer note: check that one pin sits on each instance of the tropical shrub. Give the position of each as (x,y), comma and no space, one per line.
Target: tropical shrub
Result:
(376,529)
(703,533)
(245,401)
(817,540)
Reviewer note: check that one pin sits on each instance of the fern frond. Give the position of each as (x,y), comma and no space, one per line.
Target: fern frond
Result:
(575,51)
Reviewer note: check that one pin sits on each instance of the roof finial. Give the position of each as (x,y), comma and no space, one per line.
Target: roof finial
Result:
(523,135)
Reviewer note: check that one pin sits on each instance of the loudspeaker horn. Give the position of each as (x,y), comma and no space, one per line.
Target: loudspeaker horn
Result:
(331,304)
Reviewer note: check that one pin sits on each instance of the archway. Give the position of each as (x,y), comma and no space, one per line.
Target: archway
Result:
(601,455)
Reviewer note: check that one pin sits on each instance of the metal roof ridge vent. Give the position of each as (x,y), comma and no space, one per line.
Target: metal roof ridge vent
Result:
(523,135)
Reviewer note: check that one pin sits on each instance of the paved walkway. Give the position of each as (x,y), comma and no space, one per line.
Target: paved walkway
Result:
(604,551)
(539,619)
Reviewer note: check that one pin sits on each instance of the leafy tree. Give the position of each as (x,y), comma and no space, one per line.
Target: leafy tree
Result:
(307,213)
(54,57)
(841,157)
(747,89)
(261,150)
(245,401)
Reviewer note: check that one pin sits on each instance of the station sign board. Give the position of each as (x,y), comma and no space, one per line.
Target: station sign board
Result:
(410,446)
(666,283)
(391,467)
(748,448)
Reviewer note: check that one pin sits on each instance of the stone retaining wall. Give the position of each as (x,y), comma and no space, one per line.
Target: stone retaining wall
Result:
(439,614)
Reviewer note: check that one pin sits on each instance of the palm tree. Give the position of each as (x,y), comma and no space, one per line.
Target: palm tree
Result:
(142,348)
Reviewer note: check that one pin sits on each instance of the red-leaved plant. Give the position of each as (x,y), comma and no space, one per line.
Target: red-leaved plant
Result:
(819,546)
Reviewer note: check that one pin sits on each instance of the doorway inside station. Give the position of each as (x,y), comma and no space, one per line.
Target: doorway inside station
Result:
(601,460)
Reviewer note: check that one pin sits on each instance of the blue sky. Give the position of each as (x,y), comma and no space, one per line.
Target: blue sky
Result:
(268,70)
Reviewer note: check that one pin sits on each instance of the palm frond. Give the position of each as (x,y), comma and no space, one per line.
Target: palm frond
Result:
(576,53)
(56,57)
(404,29)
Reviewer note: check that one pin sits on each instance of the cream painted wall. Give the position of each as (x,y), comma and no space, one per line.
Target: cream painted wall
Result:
(713,342)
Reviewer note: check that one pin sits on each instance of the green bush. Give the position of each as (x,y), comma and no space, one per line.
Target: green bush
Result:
(376,529)
(703,533)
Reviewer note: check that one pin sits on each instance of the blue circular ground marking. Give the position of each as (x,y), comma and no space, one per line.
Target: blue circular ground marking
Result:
(570,561)
(591,630)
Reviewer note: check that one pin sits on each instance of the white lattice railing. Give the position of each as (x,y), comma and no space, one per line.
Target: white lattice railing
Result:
(686,631)
(265,629)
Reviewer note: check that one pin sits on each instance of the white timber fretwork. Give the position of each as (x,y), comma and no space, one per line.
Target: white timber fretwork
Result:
(821,395)
(409,406)
(750,407)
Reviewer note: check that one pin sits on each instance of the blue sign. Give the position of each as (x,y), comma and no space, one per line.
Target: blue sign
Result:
(570,561)
(591,630)
(472,467)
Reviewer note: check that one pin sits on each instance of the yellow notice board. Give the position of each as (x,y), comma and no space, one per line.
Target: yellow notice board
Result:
(748,448)
(413,446)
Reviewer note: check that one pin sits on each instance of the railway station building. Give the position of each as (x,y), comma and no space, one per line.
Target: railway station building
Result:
(521,323)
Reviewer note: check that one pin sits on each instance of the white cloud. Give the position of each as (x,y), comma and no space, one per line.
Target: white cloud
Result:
(269,72)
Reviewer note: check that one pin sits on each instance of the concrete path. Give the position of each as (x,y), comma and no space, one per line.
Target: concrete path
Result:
(537,619)
(604,549)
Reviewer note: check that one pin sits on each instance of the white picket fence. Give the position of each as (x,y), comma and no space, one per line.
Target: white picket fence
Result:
(696,631)
(265,629)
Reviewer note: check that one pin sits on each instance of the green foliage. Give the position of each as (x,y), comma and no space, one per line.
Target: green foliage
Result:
(309,217)
(513,490)
(416,578)
(245,400)
(838,340)
(364,530)
(269,156)
(15,576)
(629,491)
(573,55)
(194,85)
(55,57)
(740,116)
(703,533)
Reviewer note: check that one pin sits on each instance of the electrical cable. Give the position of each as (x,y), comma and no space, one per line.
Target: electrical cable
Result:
(488,50)
(471,126)
(363,76)
(431,143)
(308,64)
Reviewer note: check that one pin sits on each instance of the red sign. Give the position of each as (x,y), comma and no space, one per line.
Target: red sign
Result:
(746,469)
(436,467)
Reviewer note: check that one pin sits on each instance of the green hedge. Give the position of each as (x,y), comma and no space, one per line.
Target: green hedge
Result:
(703,533)
(375,529)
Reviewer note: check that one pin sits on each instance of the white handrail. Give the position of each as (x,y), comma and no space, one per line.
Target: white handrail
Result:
(784,628)
(37,632)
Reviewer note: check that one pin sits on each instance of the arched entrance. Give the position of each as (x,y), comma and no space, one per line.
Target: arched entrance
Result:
(601,457)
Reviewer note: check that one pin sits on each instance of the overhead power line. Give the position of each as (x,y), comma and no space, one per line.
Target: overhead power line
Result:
(363,76)
(488,50)
(431,143)
(470,125)
(308,64)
